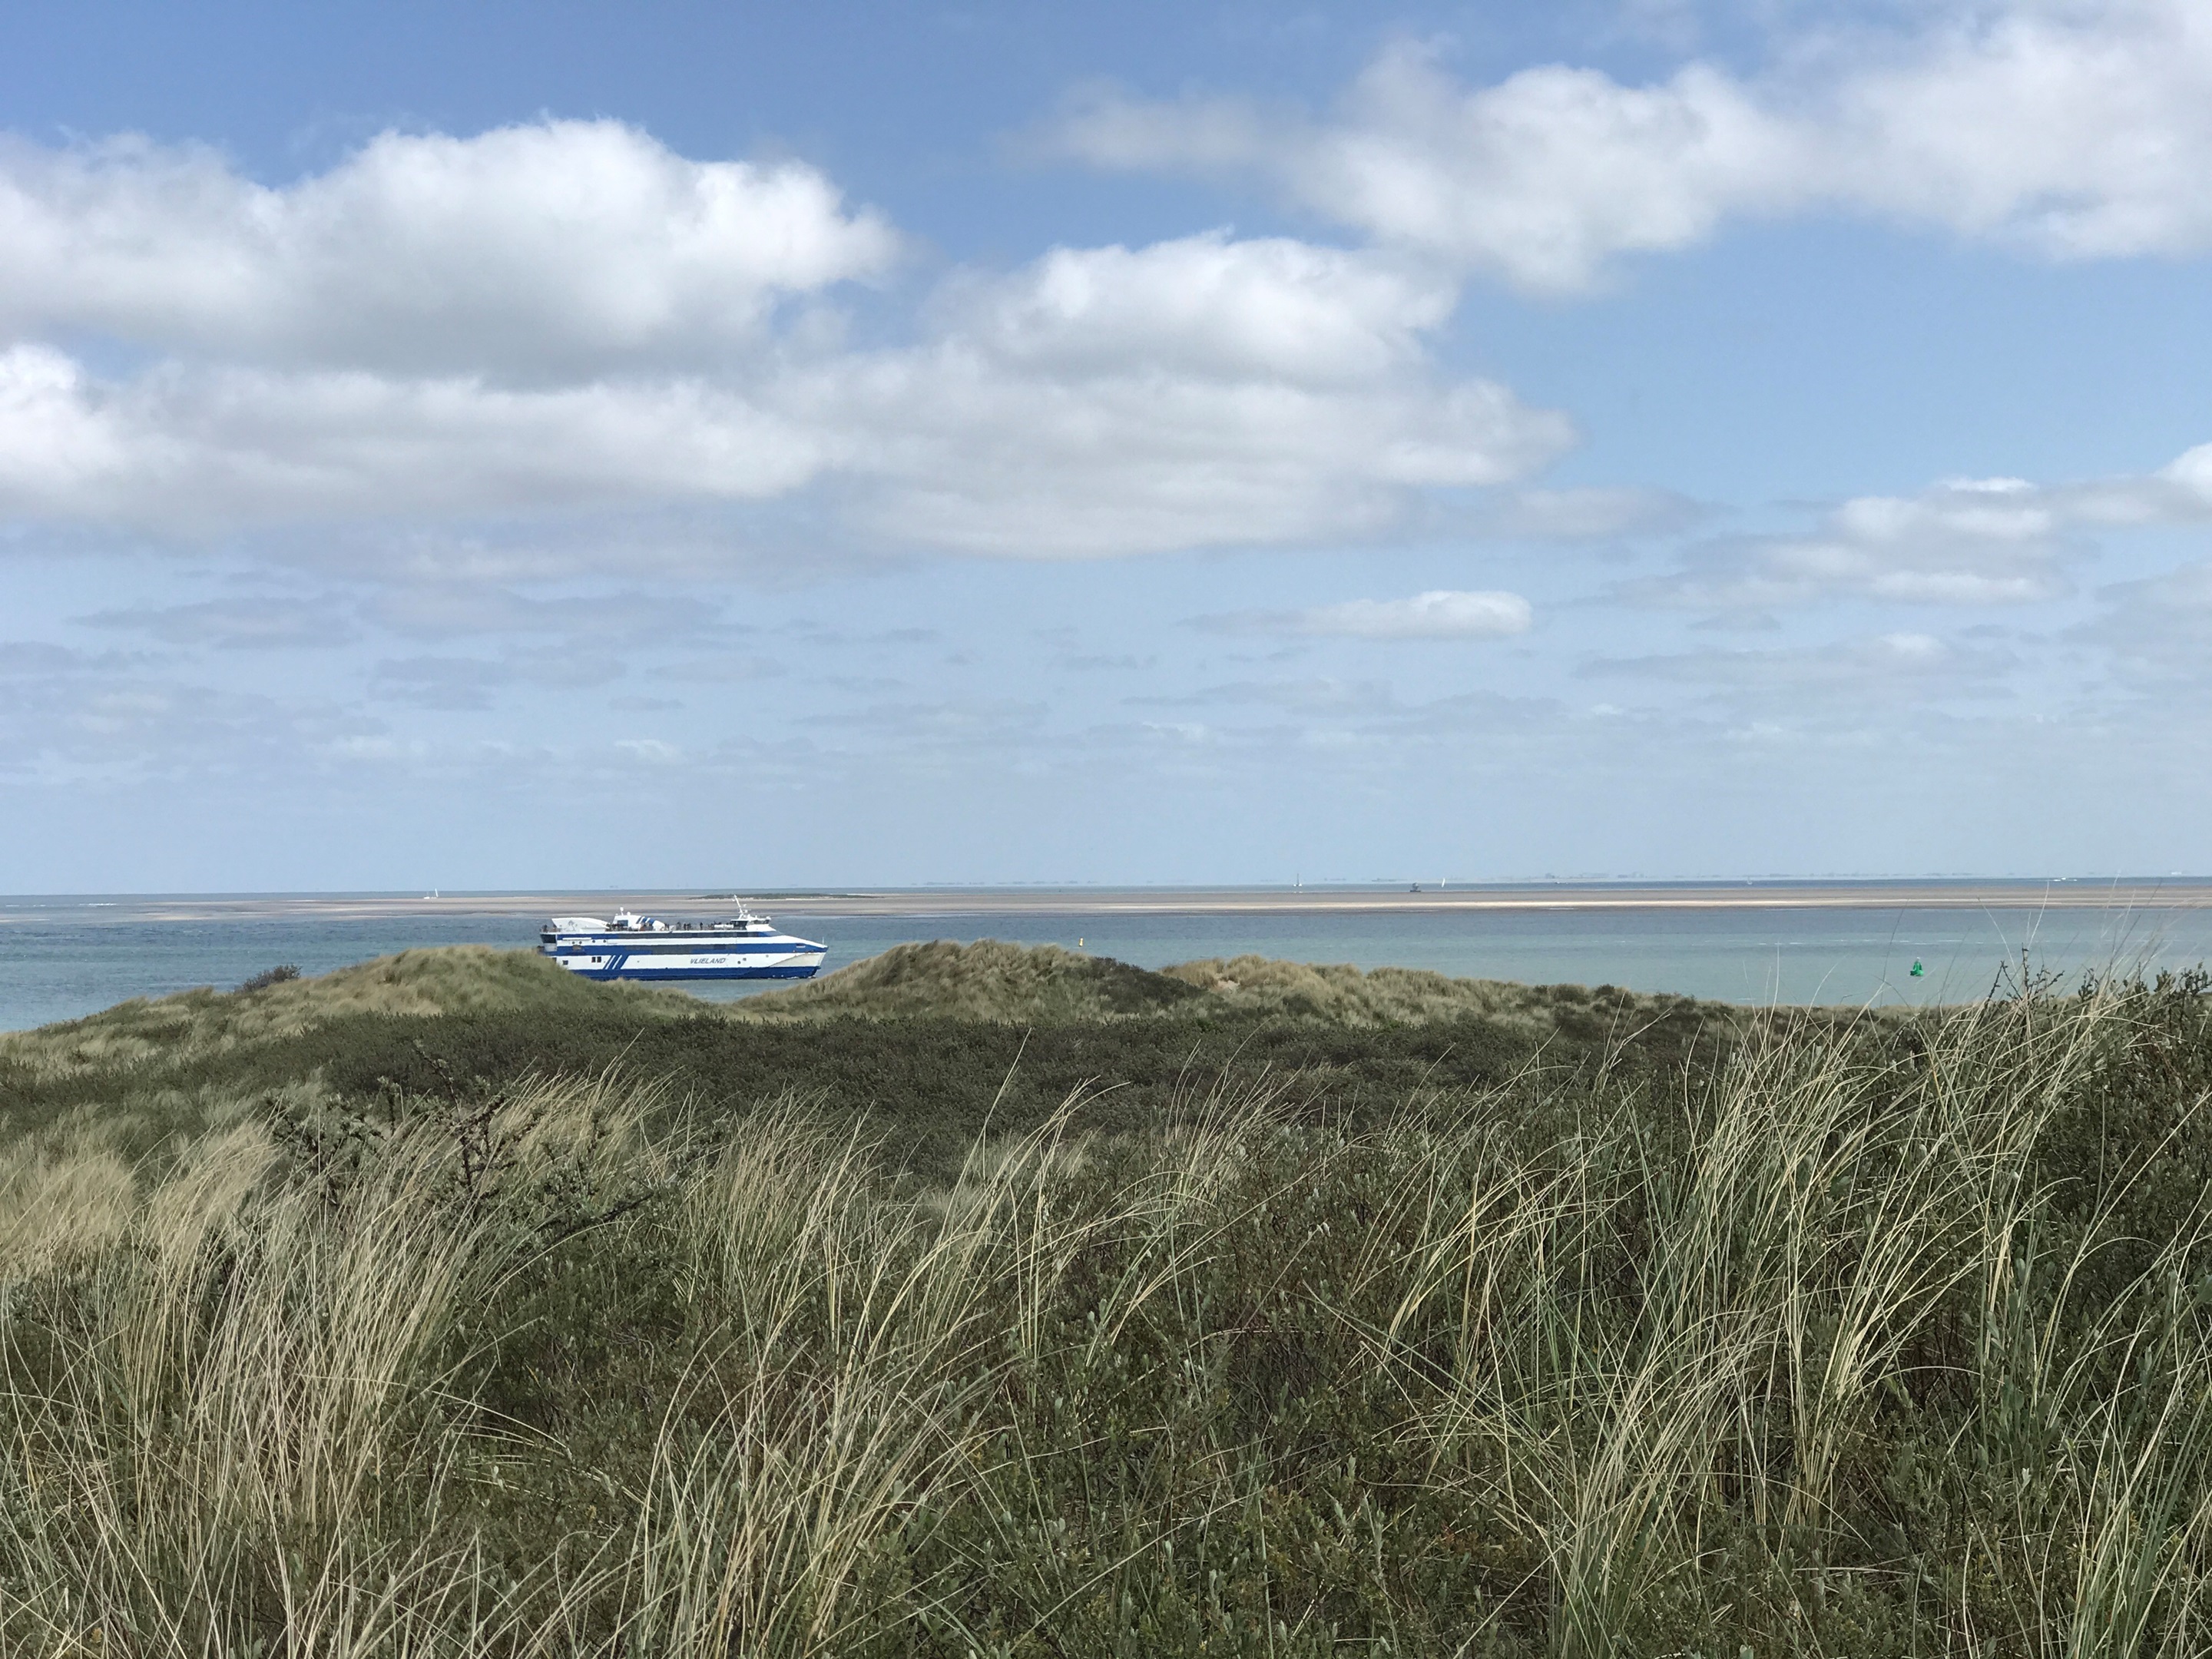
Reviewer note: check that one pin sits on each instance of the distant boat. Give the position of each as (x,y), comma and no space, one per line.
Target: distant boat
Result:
(634,946)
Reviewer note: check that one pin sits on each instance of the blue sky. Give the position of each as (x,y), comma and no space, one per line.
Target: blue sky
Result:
(576,444)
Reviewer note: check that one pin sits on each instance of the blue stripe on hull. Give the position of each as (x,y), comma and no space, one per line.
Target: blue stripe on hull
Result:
(626,972)
(578,947)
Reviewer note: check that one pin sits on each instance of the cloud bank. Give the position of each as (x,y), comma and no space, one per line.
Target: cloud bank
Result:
(524,252)
(2075,132)
(569,316)
(1961,541)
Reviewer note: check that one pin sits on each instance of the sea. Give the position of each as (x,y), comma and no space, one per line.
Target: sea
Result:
(63,957)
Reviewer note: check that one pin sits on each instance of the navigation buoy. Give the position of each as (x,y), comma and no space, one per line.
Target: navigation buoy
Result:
(1917,970)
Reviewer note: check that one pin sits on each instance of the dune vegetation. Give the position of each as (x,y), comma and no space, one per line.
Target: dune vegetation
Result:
(991,1302)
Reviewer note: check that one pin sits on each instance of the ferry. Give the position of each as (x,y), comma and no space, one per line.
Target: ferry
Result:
(634,946)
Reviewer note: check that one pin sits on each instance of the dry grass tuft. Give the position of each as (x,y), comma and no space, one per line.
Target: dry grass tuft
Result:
(1391,996)
(454,979)
(988,979)
(1874,1339)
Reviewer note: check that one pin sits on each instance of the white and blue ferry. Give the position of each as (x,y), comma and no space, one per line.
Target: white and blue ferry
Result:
(634,946)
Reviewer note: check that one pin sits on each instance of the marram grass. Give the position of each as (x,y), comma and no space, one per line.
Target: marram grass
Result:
(1873,1339)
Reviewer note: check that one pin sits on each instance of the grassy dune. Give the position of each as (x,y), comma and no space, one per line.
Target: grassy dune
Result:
(445,1307)
(922,1040)
(992,981)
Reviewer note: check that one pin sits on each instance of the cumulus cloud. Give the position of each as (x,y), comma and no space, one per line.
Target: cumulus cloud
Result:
(2179,493)
(1440,614)
(1209,305)
(1992,541)
(1208,391)
(1205,390)
(187,446)
(1182,440)
(550,317)
(1960,542)
(2076,132)
(1541,177)
(526,250)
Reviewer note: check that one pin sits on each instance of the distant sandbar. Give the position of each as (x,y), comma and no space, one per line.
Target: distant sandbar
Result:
(2107,894)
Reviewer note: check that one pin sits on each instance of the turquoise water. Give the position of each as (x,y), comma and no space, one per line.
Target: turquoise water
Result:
(64,957)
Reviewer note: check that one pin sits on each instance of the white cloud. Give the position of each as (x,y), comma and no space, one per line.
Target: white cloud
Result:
(973,458)
(2180,492)
(525,250)
(183,446)
(2081,130)
(2075,131)
(55,441)
(1441,614)
(1200,392)
(1267,307)
(1963,541)
(1957,543)
(1205,391)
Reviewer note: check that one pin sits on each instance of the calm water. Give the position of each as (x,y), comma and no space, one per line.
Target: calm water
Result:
(64,957)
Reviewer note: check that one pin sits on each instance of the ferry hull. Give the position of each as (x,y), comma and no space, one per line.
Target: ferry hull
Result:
(649,948)
(642,965)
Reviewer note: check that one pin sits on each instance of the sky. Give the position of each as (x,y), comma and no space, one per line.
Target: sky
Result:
(508,445)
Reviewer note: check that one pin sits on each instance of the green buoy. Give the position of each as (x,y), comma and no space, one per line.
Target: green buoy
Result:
(1916,969)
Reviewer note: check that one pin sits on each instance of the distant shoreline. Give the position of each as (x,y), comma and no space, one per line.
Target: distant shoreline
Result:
(2125,895)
